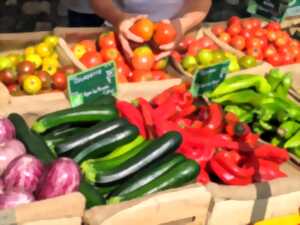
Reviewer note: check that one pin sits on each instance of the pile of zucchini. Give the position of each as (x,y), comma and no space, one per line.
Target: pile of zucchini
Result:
(117,163)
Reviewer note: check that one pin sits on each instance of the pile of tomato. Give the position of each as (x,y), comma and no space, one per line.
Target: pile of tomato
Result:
(265,42)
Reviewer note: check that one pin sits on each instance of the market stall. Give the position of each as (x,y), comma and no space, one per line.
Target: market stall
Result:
(208,134)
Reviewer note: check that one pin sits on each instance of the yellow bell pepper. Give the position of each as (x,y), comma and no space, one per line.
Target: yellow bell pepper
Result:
(284,220)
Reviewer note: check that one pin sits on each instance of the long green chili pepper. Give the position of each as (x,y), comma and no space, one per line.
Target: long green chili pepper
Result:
(288,129)
(257,128)
(293,142)
(241,97)
(266,126)
(275,77)
(283,89)
(241,82)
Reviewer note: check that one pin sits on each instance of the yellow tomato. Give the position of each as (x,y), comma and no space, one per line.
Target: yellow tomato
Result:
(32,84)
(43,50)
(35,59)
(54,55)
(15,58)
(50,65)
(51,40)
(79,50)
(29,50)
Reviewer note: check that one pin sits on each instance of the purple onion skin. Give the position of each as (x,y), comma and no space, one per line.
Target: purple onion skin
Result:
(23,174)
(9,150)
(1,186)
(61,178)
(7,130)
(11,199)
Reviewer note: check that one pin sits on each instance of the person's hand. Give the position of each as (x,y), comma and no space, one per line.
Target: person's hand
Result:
(167,48)
(125,35)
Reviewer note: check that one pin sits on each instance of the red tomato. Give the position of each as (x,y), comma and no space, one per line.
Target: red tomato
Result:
(186,42)
(176,56)
(287,59)
(206,42)
(295,51)
(91,59)
(159,75)
(109,54)
(273,25)
(225,37)
(165,33)
(270,51)
(275,60)
(294,43)
(60,81)
(256,23)
(238,42)
(194,48)
(143,28)
(234,20)
(281,41)
(253,42)
(255,52)
(217,29)
(272,35)
(263,42)
(107,40)
(247,24)
(246,33)
(141,75)
(123,70)
(143,58)
(89,45)
(297,59)
(259,32)
(234,29)
(13,88)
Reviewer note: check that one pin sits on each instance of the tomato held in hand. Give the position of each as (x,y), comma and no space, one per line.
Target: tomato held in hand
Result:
(107,40)
(91,59)
(238,42)
(143,28)
(60,81)
(165,33)
(109,54)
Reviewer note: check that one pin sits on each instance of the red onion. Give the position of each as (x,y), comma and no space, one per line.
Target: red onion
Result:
(11,199)
(1,186)
(23,174)
(9,150)
(7,130)
(62,177)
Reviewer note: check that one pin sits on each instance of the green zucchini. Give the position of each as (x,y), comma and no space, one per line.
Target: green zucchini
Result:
(106,144)
(91,194)
(148,174)
(179,175)
(34,143)
(62,131)
(91,168)
(106,190)
(101,100)
(90,135)
(81,114)
(158,148)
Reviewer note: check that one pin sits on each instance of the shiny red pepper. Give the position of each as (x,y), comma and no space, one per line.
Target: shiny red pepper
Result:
(215,121)
(133,115)
(272,153)
(230,161)
(165,95)
(147,113)
(231,118)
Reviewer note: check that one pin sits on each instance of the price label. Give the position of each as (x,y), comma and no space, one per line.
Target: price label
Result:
(87,85)
(208,78)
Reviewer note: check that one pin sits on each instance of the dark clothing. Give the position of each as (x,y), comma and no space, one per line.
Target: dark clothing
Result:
(77,19)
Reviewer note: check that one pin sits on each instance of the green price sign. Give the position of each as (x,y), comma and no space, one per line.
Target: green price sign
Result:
(207,79)
(87,85)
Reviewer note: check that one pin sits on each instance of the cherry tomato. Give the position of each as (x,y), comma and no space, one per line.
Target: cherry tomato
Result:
(294,43)
(225,37)
(13,88)
(238,42)
(69,70)
(60,81)
(205,42)
(273,25)
(159,75)
(194,48)
(270,51)
(287,58)
(217,29)
(32,84)
(109,54)
(186,42)
(90,45)
(91,59)
(144,62)
(22,77)
(281,41)
(234,20)
(246,34)
(272,35)
(295,51)
(45,78)
(256,23)
(165,33)
(247,24)
(255,52)
(141,75)
(8,76)
(259,32)
(107,40)
(275,59)
(253,42)
(143,28)
(263,42)
(123,70)
(234,29)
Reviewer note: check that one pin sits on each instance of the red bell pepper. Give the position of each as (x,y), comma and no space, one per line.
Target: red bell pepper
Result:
(165,95)
(186,111)
(251,139)
(272,153)
(230,161)
(133,115)
(215,121)
(147,112)
(225,176)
